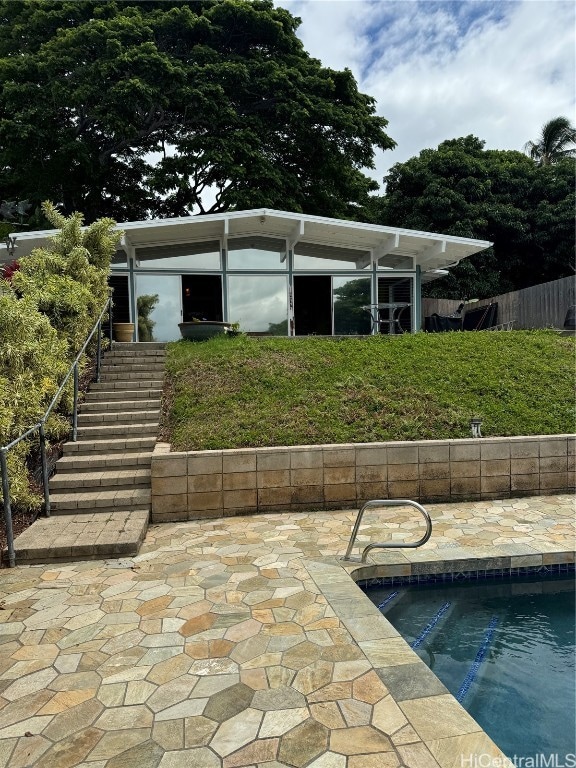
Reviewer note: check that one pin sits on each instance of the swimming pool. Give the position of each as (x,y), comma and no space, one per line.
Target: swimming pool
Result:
(504,649)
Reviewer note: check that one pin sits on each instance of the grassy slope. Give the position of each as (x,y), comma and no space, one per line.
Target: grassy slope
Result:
(229,393)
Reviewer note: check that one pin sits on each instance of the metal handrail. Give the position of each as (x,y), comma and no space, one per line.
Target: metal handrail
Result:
(39,427)
(391,544)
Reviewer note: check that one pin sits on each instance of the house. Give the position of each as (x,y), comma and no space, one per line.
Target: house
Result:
(276,272)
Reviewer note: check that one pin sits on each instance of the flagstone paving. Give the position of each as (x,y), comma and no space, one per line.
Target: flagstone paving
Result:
(243,642)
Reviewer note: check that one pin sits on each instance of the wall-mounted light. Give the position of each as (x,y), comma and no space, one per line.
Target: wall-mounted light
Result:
(475,425)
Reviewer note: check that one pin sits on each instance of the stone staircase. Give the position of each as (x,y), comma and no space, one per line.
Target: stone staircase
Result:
(100,493)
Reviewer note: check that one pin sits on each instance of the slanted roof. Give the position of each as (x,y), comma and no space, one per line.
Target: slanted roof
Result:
(391,245)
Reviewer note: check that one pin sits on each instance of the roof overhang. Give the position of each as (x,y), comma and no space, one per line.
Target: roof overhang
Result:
(393,247)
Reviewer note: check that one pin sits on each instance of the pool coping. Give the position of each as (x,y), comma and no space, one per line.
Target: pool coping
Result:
(451,735)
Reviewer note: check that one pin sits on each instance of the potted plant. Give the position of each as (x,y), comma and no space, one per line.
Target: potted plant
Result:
(200,330)
(123,332)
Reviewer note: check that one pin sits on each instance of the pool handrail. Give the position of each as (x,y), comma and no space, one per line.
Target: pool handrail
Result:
(391,544)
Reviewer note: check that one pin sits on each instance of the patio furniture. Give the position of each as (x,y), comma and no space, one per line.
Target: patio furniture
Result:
(392,321)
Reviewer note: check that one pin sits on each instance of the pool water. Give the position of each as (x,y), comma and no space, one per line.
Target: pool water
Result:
(505,649)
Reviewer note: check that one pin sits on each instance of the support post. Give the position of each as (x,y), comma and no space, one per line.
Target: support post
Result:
(75,406)
(98,351)
(7,509)
(44,470)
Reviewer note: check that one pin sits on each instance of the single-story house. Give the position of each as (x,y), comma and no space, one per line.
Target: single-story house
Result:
(275,272)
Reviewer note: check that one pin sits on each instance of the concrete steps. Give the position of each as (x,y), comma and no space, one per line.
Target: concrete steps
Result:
(119,479)
(118,417)
(127,384)
(101,487)
(103,406)
(104,446)
(105,396)
(127,460)
(148,429)
(99,500)
(67,538)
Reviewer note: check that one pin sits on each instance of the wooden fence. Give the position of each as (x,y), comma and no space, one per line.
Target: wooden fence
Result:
(541,306)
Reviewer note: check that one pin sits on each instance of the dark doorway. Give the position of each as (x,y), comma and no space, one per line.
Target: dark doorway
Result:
(201,297)
(313,305)
(120,301)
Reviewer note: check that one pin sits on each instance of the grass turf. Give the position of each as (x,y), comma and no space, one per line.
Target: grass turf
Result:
(239,392)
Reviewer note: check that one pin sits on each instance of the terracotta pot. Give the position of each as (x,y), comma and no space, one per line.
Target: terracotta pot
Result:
(123,332)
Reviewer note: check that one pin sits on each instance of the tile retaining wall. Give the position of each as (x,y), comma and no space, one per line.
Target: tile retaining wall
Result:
(203,484)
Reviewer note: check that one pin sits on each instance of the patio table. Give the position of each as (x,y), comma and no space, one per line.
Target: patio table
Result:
(393,319)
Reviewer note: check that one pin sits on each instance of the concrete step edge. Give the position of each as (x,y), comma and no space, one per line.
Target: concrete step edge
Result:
(44,542)
(83,447)
(117,417)
(111,479)
(105,396)
(101,406)
(126,460)
(128,430)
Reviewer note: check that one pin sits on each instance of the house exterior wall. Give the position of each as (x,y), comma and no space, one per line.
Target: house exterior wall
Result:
(260,288)
(204,484)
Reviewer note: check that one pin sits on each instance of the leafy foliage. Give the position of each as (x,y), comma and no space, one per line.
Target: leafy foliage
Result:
(47,309)
(221,94)
(501,196)
(232,393)
(145,305)
(556,142)
(33,358)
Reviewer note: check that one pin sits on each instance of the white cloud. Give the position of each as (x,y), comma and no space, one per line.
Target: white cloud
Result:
(443,70)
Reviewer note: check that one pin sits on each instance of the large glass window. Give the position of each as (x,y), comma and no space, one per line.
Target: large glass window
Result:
(259,303)
(158,303)
(256,253)
(178,256)
(396,261)
(326,257)
(350,295)
(395,300)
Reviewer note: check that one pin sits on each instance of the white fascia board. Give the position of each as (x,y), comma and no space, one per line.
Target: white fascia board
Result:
(376,233)
(377,229)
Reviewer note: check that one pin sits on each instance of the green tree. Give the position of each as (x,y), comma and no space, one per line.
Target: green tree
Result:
(501,196)
(349,317)
(135,109)
(556,142)
(278,329)
(145,305)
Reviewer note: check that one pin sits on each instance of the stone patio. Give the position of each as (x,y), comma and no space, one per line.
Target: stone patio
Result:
(243,642)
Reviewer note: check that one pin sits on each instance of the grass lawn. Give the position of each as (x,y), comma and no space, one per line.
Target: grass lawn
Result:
(235,392)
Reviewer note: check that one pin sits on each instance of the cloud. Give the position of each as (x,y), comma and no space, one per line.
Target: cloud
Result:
(439,70)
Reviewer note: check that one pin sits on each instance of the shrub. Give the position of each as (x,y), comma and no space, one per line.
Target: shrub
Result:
(47,310)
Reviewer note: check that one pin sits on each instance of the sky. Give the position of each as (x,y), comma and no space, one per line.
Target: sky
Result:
(440,70)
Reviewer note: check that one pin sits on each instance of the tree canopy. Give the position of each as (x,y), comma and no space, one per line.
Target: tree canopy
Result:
(135,109)
(462,189)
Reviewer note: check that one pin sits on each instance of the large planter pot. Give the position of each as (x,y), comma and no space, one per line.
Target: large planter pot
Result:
(123,332)
(201,330)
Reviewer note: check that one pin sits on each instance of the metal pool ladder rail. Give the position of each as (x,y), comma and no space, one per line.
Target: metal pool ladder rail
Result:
(391,544)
